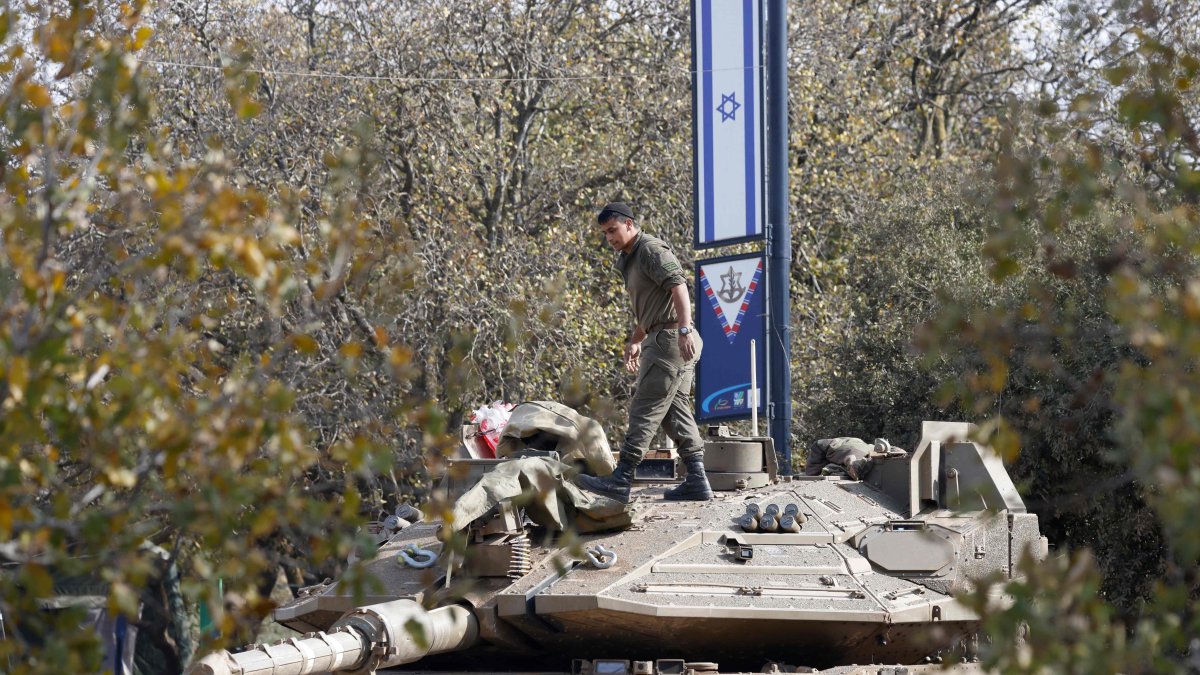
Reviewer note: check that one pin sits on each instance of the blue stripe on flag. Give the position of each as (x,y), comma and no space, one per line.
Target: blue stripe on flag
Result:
(748,46)
(706,33)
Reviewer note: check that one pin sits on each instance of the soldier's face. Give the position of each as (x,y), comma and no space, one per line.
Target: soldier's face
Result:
(619,233)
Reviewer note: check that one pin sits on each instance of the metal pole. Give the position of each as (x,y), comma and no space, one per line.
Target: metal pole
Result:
(779,243)
(753,390)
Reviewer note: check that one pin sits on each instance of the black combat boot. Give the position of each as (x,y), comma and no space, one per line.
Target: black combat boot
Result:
(615,486)
(694,487)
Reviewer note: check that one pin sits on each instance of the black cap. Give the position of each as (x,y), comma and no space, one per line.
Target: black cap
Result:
(614,209)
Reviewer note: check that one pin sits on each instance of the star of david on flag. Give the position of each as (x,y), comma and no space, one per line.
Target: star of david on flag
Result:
(729,107)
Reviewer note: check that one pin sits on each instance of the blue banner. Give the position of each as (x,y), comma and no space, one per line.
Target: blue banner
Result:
(729,314)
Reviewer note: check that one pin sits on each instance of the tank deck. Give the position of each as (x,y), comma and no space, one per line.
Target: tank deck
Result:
(677,584)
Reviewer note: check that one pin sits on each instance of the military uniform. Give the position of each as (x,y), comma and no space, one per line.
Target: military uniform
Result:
(663,392)
(838,456)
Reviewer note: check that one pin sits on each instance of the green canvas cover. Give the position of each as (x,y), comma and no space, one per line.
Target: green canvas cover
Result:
(581,438)
(550,499)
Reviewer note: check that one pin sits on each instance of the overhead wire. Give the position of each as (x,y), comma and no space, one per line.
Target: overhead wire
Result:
(419,79)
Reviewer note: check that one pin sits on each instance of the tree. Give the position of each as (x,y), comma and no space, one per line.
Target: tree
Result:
(890,102)
(261,259)
(1091,364)
(139,447)
(493,129)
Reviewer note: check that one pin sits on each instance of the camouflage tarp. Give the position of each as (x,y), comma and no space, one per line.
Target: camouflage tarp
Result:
(580,438)
(549,498)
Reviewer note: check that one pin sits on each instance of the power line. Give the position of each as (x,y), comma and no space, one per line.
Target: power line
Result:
(392,78)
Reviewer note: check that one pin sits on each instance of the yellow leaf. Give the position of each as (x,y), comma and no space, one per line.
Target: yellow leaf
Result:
(399,356)
(304,343)
(38,581)
(351,350)
(251,256)
(265,521)
(121,477)
(249,108)
(59,47)
(18,378)
(997,375)
(141,37)
(6,519)
(286,235)
(37,95)
(123,599)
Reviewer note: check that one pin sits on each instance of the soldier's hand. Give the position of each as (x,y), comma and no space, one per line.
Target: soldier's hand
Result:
(633,356)
(686,347)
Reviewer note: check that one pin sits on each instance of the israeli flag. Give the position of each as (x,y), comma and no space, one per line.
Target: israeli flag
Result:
(727,111)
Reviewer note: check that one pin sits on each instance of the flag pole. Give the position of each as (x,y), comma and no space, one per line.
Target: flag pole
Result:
(779,240)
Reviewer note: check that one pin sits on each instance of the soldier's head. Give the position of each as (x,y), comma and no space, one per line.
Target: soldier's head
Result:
(616,223)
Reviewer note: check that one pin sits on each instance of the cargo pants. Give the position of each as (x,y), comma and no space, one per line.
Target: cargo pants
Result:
(663,397)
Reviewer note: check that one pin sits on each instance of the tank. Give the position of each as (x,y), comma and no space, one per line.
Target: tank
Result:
(776,574)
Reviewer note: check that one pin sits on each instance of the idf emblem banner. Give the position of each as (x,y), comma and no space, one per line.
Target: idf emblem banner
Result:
(727,114)
(730,312)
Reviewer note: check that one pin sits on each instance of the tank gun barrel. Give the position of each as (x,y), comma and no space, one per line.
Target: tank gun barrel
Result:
(364,639)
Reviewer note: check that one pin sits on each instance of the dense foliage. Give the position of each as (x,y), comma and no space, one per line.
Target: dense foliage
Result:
(260,259)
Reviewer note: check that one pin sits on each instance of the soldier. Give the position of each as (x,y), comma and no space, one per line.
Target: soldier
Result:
(662,350)
(845,455)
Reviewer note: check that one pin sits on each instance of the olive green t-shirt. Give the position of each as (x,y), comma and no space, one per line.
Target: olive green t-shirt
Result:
(651,270)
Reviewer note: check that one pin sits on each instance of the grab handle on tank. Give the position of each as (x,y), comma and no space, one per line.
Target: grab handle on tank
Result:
(600,557)
(417,557)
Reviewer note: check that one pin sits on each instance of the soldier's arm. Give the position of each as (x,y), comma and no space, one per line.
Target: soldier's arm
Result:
(683,305)
(683,312)
(633,350)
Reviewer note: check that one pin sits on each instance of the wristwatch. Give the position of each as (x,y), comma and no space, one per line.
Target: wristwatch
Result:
(685,330)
